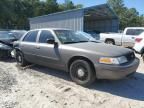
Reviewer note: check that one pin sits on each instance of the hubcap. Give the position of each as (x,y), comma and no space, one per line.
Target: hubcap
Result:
(80,73)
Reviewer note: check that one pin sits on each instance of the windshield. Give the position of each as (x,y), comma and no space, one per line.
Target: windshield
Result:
(6,35)
(89,36)
(68,36)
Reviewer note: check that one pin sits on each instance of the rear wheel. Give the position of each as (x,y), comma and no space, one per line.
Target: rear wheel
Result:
(111,42)
(20,59)
(82,73)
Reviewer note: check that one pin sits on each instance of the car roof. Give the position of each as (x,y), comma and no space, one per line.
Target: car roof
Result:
(18,31)
(51,29)
(135,28)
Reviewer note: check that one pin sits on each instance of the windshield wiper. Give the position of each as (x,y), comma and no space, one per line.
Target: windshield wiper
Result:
(83,41)
(75,42)
(69,42)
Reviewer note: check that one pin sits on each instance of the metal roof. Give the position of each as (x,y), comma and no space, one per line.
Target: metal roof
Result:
(103,9)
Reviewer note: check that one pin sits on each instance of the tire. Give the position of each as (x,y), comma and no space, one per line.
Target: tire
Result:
(82,73)
(20,59)
(111,42)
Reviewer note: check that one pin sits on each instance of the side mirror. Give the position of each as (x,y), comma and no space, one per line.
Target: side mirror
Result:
(51,41)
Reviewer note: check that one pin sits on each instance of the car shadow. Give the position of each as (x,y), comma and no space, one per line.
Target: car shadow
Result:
(130,87)
(8,60)
(52,72)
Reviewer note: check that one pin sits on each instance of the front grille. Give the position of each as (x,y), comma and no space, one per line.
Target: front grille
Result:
(130,57)
(4,53)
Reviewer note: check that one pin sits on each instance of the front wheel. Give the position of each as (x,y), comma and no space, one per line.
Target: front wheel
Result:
(20,59)
(82,72)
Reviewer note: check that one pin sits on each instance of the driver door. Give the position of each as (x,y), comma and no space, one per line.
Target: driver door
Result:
(47,54)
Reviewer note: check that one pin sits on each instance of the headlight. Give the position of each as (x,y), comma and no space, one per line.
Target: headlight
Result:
(107,60)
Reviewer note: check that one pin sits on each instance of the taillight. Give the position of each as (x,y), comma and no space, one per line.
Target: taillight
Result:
(138,40)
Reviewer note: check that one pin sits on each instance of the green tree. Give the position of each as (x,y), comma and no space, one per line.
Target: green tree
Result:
(132,17)
(5,13)
(142,20)
(51,6)
(14,14)
(120,9)
(79,6)
(128,17)
(69,5)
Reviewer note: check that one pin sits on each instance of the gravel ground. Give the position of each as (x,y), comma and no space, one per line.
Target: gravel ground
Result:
(40,87)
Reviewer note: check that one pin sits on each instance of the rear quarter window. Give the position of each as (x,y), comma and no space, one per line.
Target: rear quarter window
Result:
(31,36)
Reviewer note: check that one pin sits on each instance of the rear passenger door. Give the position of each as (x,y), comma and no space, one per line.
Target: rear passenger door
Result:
(47,54)
(28,45)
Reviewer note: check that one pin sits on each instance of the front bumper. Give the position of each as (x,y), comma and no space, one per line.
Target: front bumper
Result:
(5,53)
(115,72)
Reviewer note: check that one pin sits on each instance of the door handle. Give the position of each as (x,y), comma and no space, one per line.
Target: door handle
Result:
(37,47)
(133,37)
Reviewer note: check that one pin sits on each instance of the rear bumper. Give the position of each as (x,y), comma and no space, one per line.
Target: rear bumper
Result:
(115,72)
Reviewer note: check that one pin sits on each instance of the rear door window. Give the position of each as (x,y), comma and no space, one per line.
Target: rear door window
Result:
(31,36)
(45,35)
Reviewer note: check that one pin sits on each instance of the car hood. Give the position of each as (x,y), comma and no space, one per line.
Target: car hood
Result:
(101,49)
(8,42)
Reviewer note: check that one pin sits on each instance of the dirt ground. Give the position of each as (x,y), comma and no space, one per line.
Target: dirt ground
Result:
(40,87)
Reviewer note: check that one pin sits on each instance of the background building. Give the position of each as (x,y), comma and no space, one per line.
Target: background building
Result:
(100,18)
